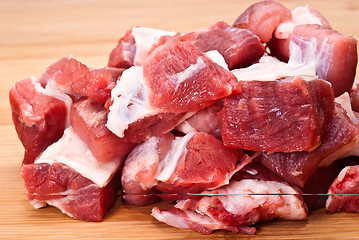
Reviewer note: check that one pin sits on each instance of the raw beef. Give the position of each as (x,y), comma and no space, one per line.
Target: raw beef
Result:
(205,120)
(277,116)
(279,44)
(239,205)
(263,18)
(343,192)
(178,165)
(63,176)
(133,48)
(76,79)
(239,47)
(39,116)
(334,54)
(183,79)
(88,120)
(131,115)
(62,187)
(339,141)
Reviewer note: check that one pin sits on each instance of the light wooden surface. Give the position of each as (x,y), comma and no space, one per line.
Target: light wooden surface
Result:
(33,34)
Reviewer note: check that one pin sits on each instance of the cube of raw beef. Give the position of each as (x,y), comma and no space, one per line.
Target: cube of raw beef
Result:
(178,165)
(183,79)
(205,120)
(334,55)
(263,18)
(279,44)
(132,48)
(277,116)
(88,120)
(39,114)
(253,195)
(130,114)
(340,140)
(343,192)
(174,83)
(239,47)
(67,176)
(76,79)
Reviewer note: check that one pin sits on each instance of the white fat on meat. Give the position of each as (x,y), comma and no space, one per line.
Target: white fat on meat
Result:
(214,55)
(130,101)
(143,157)
(189,219)
(236,199)
(300,16)
(270,69)
(307,59)
(52,91)
(68,196)
(185,127)
(170,218)
(71,151)
(145,39)
(168,165)
(190,71)
(344,101)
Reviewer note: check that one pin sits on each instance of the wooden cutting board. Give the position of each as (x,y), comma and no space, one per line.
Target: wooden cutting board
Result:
(33,34)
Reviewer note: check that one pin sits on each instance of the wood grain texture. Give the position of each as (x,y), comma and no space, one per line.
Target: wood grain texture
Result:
(36,33)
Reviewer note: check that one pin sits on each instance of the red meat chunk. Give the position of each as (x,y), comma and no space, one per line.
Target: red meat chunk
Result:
(88,119)
(66,189)
(263,18)
(297,167)
(206,165)
(335,55)
(182,79)
(133,48)
(75,78)
(277,116)
(279,44)
(122,56)
(130,114)
(39,119)
(178,165)
(239,47)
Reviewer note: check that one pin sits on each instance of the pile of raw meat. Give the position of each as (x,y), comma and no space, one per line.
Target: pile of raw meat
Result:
(233,124)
